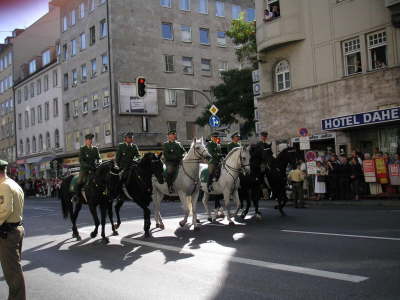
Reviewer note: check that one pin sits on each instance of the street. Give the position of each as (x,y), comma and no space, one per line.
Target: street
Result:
(315,253)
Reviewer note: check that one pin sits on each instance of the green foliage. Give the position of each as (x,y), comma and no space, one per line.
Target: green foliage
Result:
(243,35)
(234,98)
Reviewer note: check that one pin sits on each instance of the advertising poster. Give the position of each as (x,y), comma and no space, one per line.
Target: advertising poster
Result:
(394,174)
(369,170)
(381,171)
(311,167)
(131,104)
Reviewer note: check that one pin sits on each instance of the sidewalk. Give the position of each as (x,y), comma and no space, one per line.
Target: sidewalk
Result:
(367,202)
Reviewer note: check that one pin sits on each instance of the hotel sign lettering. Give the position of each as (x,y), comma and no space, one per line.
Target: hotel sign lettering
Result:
(367,118)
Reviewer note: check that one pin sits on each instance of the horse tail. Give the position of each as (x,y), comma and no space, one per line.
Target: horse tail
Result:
(65,196)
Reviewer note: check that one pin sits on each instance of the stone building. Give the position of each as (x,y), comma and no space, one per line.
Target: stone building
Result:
(333,67)
(106,45)
(38,96)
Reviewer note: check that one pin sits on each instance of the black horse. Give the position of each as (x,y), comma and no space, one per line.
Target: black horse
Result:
(138,186)
(99,191)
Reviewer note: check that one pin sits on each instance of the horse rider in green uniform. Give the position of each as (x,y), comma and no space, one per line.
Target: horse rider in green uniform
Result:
(88,157)
(127,152)
(235,141)
(216,155)
(173,153)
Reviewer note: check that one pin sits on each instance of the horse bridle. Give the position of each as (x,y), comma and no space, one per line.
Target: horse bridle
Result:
(242,166)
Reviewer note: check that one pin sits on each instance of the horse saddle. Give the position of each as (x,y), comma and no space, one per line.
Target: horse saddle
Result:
(204,173)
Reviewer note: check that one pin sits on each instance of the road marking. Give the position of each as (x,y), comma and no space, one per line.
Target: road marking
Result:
(344,235)
(246,261)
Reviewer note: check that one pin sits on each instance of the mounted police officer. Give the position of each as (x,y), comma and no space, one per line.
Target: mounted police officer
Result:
(235,141)
(214,148)
(127,152)
(173,153)
(88,157)
(263,144)
(11,233)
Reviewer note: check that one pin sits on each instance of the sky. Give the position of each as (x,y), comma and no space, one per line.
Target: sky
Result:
(19,14)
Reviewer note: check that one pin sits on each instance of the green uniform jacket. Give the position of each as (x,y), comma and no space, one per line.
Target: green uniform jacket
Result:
(232,145)
(173,151)
(88,157)
(215,151)
(126,154)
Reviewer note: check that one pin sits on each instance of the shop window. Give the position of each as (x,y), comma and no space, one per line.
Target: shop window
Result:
(282,76)
(377,50)
(352,57)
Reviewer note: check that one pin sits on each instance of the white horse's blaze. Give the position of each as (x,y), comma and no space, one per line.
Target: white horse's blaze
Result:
(186,184)
(237,160)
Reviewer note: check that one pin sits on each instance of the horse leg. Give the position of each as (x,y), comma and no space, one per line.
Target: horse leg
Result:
(111,217)
(74,217)
(103,212)
(157,215)
(193,200)
(281,203)
(117,208)
(256,199)
(248,204)
(146,216)
(205,203)
(184,201)
(93,211)
(227,205)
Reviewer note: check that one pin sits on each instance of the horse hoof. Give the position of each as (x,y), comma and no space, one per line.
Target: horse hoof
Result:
(197,220)
(162,226)
(105,240)
(147,234)
(182,223)
(231,223)
(196,228)
(210,220)
(93,234)
(115,233)
(116,226)
(158,225)
(258,216)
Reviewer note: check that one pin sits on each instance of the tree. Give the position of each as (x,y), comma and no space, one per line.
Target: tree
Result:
(234,100)
(243,35)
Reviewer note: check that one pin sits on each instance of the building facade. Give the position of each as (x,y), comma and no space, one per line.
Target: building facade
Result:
(328,66)
(106,45)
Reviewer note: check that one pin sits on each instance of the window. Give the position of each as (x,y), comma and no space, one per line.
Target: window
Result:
(56,139)
(33,114)
(220,9)
(82,10)
(187,63)
(103,28)
(167,31)
(28,146)
(352,56)
(65,51)
(73,17)
(145,124)
(204,36)
(73,47)
(33,144)
(107,133)
(221,38)
(85,105)
(165,3)
(21,147)
(83,41)
(223,67)
(184,5)
(92,5)
(282,76)
(32,89)
(46,111)
(206,66)
(48,141)
(65,23)
(55,78)
(26,119)
(74,78)
(171,125)
(203,6)
(40,143)
(95,102)
(102,1)
(94,67)
(38,86)
(236,9)
(83,73)
(39,112)
(169,63)
(104,62)
(170,98)
(55,107)
(190,130)
(46,57)
(67,112)
(274,7)
(189,98)
(92,35)
(106,98)
(19,96)
(20,121)
(75,109)
(377,50)
(26,95)
(250,15)
(186,33)
(9,58)
(46,83)
(32,66)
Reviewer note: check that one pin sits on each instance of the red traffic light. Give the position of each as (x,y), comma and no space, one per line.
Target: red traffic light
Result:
(141,80)
(141,86)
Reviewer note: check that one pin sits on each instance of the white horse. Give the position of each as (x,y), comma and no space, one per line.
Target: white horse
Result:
(237,161)
(186,184)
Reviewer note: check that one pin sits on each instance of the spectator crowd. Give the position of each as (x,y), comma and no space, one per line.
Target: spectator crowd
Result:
(40,187)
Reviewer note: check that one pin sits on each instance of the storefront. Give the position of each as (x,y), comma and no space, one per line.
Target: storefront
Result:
(320,143)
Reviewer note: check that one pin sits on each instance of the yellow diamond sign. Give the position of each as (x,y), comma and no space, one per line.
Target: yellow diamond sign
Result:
(213,110)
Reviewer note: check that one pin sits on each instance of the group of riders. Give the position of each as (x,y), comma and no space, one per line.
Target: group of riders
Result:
(173,153)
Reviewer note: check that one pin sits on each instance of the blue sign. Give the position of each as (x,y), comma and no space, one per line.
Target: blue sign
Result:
(214,121)
(361,119)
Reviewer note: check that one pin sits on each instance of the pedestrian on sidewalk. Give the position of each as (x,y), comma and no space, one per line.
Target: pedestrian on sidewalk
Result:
(296,177)
(11,233)
(320,181)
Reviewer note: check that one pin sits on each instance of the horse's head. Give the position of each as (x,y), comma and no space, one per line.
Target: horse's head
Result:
(152,165)
(245,159)
(199,149)
(291,156)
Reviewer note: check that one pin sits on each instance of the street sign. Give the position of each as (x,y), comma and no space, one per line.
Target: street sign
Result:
(256,89)
(305,143)
(303,131)
(213,110)
(255,75)
(214,121)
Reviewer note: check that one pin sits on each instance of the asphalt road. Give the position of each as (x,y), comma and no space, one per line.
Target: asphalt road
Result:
(314,253)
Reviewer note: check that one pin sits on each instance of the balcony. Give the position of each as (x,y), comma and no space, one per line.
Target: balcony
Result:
(287,28)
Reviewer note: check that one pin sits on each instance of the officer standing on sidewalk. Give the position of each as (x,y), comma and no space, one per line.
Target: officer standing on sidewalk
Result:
(11,233)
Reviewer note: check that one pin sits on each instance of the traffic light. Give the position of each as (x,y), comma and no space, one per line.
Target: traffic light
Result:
(141,86)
